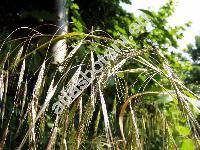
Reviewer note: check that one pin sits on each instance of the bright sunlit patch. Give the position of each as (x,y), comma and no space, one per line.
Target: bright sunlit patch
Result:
(185,11)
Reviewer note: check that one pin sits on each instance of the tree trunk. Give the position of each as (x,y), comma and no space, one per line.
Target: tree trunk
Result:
(60,48)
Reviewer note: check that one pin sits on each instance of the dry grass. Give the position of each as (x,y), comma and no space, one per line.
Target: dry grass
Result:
(99,117)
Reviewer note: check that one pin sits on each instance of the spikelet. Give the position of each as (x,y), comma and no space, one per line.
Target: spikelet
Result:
(1,86)
(106,119)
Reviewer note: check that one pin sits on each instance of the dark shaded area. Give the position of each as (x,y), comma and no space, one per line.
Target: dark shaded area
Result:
(102,13)
(18,13)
